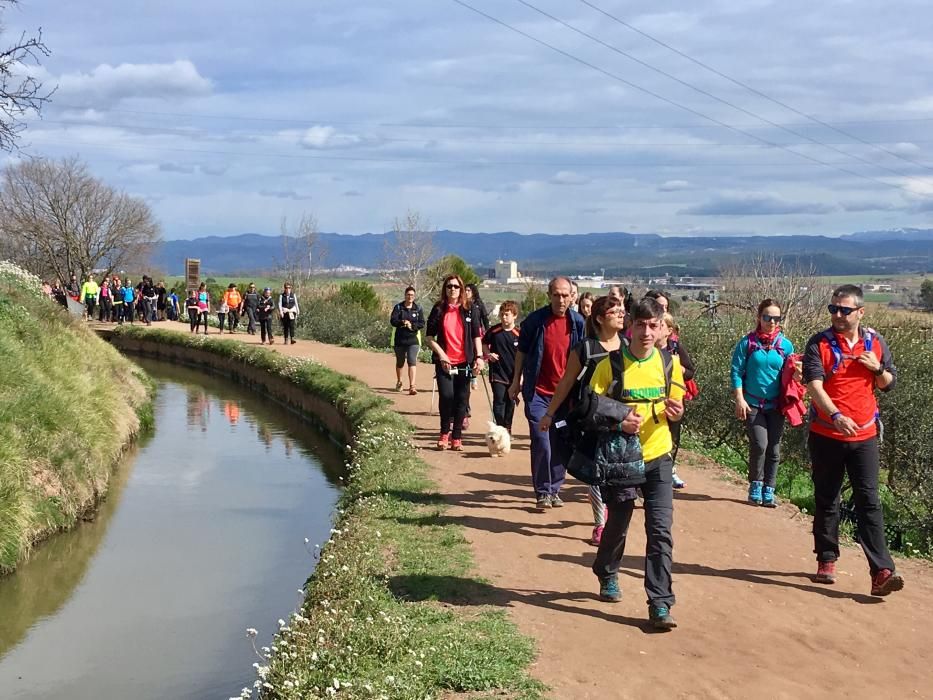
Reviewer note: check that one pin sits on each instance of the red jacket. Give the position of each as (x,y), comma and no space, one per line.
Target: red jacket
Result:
(790,400)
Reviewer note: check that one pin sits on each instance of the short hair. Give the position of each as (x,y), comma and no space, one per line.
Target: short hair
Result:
(586,295)
(765,303)
(850,290)
(601,307)
(508,305)
(574,285)
(409,288)
(647,308)
(657,294)
(554,281)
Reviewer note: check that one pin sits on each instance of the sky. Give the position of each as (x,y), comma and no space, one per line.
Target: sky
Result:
(229,116)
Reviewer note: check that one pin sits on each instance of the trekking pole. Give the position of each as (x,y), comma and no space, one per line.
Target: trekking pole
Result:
(433,391)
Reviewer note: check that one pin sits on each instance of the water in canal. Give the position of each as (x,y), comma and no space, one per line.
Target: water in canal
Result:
(201,537)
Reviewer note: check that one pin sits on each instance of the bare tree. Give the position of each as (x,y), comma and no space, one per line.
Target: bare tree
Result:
(57,219)
(795,287)
(20,92)
(303,251)
(409,249)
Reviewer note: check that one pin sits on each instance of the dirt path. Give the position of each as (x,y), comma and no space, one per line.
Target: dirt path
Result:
(752,624)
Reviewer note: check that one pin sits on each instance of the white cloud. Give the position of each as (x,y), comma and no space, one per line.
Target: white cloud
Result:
(569,177)
(107,84)
(322,137)
(674,186)
(754,204)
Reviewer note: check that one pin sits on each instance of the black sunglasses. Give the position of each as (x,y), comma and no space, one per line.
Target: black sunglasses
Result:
(768,318)
(844,310)
(453,286)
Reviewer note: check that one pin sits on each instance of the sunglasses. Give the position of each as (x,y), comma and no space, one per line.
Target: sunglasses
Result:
(768,318)
(844,310)
(453,286)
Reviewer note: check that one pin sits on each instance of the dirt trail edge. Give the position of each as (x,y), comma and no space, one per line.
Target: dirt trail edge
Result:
(752,624)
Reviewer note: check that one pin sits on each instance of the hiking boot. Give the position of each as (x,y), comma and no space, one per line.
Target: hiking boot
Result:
(754,492)
(398,386)
(885,582)
(677,482)
(660,617)
(597,535)
(443,442)
(609,590)
(767,498)
(825,572)
(556,501)
(456,445)
(294,341)
(543,502)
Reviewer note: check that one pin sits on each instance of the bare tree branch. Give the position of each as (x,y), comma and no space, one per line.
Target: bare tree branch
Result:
(409,249)
(56,219)
(303,251)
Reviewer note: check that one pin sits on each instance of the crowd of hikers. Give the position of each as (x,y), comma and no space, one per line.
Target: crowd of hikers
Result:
(116,300)
(605,381)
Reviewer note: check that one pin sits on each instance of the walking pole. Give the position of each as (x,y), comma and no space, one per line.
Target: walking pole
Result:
(433,391)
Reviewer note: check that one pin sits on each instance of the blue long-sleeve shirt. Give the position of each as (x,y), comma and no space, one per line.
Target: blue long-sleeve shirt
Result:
(759,374)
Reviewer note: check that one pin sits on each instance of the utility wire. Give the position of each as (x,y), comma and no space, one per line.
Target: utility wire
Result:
(751,89)
(480,162)
(669,101)
(707,93)
(428,125)
(196,132)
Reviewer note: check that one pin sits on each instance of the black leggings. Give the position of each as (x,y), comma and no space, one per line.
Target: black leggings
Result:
(233,319)
(288,328)
(129,310)
(453,390)
(265,329)
(194,316)
(503,408)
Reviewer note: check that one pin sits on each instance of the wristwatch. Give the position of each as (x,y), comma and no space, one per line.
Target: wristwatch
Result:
(879,371)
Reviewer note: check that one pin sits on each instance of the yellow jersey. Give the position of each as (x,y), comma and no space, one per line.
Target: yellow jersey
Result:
(644,391)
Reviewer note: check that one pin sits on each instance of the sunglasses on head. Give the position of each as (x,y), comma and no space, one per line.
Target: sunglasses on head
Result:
(453,286)
(844,310)
(768,318)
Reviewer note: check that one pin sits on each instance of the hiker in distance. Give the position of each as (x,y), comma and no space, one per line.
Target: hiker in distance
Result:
(407,321)
(842,367)
(288,312)
(757,362)
(544,340)
(455,336)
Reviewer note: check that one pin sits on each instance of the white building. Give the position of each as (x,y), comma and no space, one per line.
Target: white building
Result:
(507,272)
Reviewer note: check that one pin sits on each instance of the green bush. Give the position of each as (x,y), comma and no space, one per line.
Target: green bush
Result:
(359,294)
(326,319)
(907,474)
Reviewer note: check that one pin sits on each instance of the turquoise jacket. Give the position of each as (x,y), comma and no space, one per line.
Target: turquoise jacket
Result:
(759,374)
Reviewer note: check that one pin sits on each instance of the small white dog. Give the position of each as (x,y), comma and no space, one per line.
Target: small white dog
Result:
(498,440)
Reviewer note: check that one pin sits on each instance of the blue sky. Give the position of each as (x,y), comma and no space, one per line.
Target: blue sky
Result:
(227,116)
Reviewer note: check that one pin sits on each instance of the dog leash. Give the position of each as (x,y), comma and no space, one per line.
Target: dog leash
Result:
(488,398)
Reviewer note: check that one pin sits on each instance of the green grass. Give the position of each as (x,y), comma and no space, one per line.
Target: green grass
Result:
(394,608)
(68,407)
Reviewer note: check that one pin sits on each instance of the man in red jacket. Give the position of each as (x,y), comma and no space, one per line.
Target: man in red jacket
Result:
(842,367)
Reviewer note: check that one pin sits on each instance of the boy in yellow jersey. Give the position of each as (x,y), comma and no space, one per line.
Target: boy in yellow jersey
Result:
(656,397)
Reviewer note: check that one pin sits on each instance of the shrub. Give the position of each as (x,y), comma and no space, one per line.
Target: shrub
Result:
(359,294)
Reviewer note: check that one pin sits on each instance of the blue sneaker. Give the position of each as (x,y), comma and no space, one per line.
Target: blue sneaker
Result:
(609,590)
(754,492)
(660,617)
(767,498)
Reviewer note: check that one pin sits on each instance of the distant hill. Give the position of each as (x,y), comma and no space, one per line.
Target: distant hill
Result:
(868,252)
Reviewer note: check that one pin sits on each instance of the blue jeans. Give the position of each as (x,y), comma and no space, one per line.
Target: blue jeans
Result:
(547,462)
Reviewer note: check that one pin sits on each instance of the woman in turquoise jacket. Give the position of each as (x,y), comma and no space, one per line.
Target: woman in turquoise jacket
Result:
(757,362)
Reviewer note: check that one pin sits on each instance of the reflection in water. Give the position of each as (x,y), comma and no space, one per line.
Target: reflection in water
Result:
(201,537)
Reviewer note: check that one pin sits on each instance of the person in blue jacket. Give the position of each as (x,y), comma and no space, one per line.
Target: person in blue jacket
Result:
(757,362)
(544,341)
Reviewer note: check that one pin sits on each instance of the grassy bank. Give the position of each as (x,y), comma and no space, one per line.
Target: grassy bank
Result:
(393,609)
(69,404)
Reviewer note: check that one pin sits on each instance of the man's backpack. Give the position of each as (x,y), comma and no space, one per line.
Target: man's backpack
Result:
(868,338)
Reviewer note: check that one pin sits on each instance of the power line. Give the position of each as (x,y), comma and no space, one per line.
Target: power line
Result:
(182,131)
(751,89)
(622,80)
(482,162)
(707,93)
(461,125)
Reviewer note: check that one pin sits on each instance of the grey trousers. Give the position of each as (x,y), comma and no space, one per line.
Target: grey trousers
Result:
(765,429)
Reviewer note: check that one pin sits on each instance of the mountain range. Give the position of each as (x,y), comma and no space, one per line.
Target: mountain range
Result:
(896,251)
